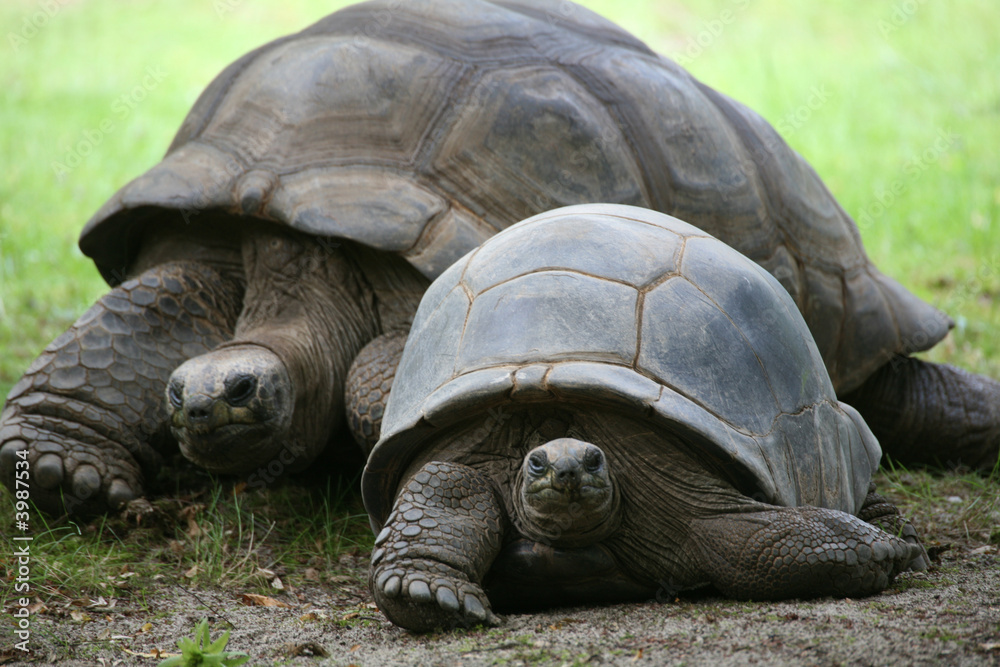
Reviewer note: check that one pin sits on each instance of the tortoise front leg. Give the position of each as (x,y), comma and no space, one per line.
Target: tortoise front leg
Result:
(879,511)
(90,410)
(369,381)
(444,532)
(797,552)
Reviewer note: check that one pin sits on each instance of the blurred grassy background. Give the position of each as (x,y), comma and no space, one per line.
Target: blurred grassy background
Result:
(875,95)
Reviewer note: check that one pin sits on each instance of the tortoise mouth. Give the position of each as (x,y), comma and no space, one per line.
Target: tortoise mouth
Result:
(228,449)
(546,493)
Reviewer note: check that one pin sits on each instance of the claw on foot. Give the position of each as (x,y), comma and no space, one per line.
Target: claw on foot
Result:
(49,471)
(424,595)
(120,493)
(446,599)
(420,591)
(8,453)
(86,481)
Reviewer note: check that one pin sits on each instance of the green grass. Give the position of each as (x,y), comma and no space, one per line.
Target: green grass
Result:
(881,95)
(218,535)
(960,507)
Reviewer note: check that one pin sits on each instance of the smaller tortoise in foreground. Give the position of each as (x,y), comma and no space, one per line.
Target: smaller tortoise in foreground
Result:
(602,402)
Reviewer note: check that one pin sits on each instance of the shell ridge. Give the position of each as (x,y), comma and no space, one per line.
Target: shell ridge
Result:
(218,96)
(836,373)
(559,270)
(790,457)
(640,304)
(427,232)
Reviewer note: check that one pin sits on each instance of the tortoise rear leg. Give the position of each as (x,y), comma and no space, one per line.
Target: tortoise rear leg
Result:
(443,534)
(797,552)
(90,409)
(926,413)
(367,387)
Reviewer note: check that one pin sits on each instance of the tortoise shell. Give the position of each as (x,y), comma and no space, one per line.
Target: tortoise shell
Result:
(422,128)
(625,308)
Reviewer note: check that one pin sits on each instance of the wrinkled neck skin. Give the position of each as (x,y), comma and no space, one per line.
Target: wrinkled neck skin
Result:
(666,484)
(308,303)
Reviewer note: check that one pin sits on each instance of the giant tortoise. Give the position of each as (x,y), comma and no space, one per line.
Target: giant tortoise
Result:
(602,401)
(322,180)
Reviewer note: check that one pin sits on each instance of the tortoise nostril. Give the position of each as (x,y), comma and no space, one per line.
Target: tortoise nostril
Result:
(198,409)
(568,476)
(240,390)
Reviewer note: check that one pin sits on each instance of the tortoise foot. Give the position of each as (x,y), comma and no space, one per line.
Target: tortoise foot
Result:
(879,511)
(68,475)
(431,556)
(421,595)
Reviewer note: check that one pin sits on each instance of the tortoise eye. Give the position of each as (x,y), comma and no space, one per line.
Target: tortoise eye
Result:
(593,461)
(278,251)
(538,462)
(241,391)
(175,395)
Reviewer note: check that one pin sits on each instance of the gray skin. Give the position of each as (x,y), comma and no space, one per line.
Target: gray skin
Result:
(602,403)
(390,157)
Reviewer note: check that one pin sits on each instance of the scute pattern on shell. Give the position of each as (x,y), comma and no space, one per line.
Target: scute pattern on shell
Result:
(422,128)
(627,308)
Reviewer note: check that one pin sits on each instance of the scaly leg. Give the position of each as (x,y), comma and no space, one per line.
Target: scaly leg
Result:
(443,534)
(926,413)
(90,410)
(878,511)
(797,552)
(368,383)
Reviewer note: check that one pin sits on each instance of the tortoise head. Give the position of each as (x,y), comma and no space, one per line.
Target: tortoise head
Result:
(233,400)
(566,496)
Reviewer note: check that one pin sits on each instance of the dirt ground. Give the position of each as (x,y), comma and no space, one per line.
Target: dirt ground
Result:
(949,615)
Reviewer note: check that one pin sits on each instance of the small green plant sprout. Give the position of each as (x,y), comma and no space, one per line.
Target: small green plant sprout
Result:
(201,651)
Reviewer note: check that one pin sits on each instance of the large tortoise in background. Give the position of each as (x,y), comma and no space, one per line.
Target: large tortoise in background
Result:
(602,401)
(322,180)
